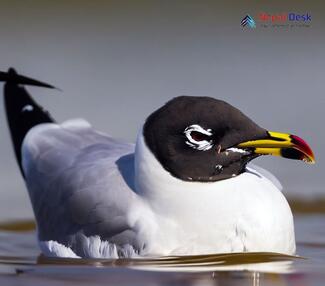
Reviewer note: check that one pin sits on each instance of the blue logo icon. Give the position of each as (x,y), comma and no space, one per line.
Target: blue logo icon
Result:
(248,21)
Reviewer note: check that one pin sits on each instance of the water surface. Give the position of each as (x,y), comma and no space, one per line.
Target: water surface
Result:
(22,264)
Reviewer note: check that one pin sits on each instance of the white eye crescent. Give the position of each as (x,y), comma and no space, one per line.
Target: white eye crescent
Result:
(198,137)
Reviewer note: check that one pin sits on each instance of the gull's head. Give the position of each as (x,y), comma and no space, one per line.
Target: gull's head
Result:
(205,139)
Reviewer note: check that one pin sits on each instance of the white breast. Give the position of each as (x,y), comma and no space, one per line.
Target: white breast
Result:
(245,213)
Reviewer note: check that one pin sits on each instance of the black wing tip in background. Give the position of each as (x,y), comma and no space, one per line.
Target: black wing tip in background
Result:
(13,77)
(23,112)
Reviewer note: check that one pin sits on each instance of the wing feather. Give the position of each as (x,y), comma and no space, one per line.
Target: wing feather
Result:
(79,180)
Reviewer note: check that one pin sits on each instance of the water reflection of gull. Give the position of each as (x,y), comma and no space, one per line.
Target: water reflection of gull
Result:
(254,262)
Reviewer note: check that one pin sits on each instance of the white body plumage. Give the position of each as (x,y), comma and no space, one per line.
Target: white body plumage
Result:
(165,215)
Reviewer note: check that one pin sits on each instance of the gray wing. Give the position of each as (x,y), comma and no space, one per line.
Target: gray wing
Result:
(79,181)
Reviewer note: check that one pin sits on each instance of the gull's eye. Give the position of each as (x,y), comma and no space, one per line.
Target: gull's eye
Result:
(198,138)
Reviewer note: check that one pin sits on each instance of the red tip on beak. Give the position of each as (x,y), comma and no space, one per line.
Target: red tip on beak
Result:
(301,145)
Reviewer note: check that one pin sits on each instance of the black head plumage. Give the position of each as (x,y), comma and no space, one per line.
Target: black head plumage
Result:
(192,138)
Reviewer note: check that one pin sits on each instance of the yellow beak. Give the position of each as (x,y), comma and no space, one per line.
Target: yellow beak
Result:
(281,144)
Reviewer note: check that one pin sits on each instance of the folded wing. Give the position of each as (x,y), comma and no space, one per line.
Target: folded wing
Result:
(79,181)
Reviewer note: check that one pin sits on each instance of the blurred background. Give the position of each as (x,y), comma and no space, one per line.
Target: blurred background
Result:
(117,61)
